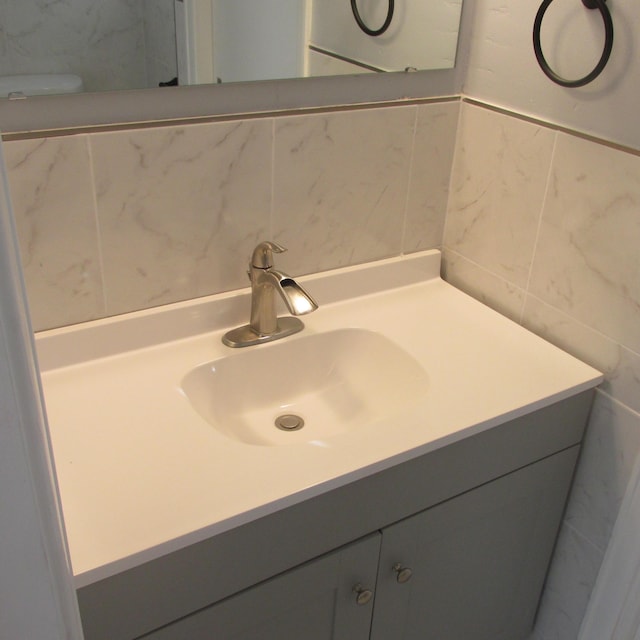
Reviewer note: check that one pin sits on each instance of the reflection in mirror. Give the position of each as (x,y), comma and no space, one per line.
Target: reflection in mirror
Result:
(135,44)
(109,44)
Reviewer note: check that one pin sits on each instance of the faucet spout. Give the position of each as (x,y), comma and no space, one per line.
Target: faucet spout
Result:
(298,301)
(264,284)
(265,325)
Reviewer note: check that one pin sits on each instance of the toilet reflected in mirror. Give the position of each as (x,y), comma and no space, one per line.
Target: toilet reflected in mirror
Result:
(39,84)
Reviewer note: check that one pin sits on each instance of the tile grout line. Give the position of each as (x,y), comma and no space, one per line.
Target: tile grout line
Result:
(543,205)
(96,218)
(272,195)
(452,172)
(412,155)
(552,126)
(618,402)
(484,269)
(581,323)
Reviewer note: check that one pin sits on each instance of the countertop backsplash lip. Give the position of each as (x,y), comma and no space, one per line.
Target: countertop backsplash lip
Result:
(74,344)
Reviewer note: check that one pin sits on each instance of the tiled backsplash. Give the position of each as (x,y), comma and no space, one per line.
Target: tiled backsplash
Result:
(544,226)
(541,224)
(117,221)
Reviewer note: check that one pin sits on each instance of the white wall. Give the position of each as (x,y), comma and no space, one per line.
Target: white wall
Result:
(37,601)
(194,41)
(503,70)
(244,33)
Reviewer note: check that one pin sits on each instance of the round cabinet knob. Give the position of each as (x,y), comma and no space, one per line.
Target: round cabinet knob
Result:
(403,574)
(363,595)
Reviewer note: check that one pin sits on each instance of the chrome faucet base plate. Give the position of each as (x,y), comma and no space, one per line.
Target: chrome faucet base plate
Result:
(245,336)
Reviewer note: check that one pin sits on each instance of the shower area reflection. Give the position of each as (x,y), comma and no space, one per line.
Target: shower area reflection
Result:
(140,44)
(109,44)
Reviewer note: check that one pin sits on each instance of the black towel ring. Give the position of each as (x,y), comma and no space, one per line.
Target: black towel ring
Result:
(602,63)
(364,27)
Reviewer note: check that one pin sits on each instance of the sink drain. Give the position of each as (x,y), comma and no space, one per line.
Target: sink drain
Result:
(289,422)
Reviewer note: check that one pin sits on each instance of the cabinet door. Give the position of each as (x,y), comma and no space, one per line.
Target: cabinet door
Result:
(478,561)
(315,601)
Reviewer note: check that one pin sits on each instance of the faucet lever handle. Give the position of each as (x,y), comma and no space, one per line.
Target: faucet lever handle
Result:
(263,254)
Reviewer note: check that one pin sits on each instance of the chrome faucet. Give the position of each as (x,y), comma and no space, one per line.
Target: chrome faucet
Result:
(265,325)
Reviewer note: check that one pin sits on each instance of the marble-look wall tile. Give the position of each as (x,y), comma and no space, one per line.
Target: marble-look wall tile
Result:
(572,260)
(588,259)
(53,205)
(497,190)
(569,584)
(620,366)
(340,186)
(430,176)
(583,292)
(492,290)
(611,445)
(180,209)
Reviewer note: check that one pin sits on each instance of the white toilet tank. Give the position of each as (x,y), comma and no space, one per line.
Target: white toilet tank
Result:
(40,84)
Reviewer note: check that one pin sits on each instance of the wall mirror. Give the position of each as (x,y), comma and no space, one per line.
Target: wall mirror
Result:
(142,44)
(123,49)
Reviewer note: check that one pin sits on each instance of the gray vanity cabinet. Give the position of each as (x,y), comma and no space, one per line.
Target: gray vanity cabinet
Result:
(315,601)
(472,568)
(475,522)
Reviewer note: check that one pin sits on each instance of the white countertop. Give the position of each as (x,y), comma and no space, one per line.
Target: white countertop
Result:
(141,474)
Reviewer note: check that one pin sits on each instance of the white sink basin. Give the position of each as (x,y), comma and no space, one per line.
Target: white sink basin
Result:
(319,385)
